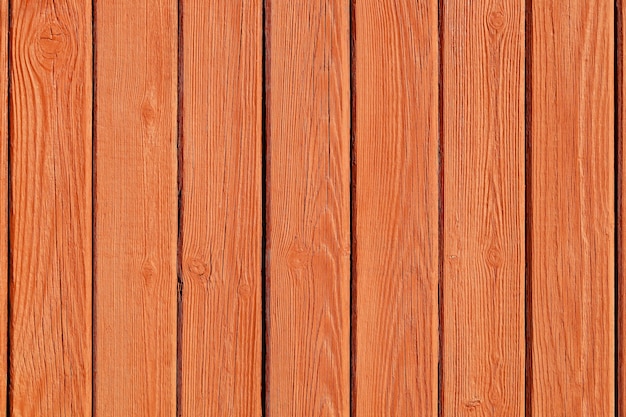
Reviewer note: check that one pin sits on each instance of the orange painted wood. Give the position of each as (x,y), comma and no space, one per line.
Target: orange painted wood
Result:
(572,187)
(221,208)
(308,197)
(4,189)
(396,203)
(51,213)
(483,209)
(136,208)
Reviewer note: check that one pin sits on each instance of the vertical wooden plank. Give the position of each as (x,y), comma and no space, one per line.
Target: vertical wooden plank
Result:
(221,208)
(308,258)
(51,257)
(484,263)
(572,208)
(396,208)
(4,190)
(136,208)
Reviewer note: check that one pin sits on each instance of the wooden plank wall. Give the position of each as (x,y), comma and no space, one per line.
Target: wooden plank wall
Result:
(312,207)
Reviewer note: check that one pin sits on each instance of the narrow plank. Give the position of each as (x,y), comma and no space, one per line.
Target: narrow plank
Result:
(396,202)
(51,223)
(572,268)
(621,209)
(136,208)
(308,235)
(221,208)
(483,220)
(4,193)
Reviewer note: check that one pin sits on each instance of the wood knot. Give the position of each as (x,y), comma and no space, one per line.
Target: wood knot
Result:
(473,404)
(52,41)
(298,256)
(196,267)
(244,290)
(495,21)
(199,271)
(494,257)
(148,270)
(148,111)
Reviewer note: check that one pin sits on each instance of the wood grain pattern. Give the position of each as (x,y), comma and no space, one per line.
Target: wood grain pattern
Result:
(51,112)
(136,208)
(483,169)
(221,208)
(4,201)
(572,209)
(396,204)
(308,246)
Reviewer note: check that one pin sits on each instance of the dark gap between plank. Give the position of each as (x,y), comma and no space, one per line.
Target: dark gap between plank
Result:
(180,208)
(93,205)
(618,200)
(9,202)
(353,253)
(440,289)
(265,198)
(528,316)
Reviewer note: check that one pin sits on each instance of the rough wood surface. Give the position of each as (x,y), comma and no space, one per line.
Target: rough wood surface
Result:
(51,257)
(396,204)
(221,208)
(136,208)
(308,163)
(572,161)
(483,218)
(4,190)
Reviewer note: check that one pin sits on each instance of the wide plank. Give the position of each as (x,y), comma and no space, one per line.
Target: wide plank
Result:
(483,342)
(136,208)
(396,203)
(572,265)
(308,208)
(51,213)
(221,208)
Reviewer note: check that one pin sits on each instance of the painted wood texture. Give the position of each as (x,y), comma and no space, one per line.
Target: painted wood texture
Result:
(4,201)
(572,233)
(136,208)
(221,208)
(312,207)
(51,111)
(396,203)
(308,197)
(483,209)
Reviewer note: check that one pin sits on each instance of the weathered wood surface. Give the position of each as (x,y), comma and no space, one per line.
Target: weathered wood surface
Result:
(396,204)
(221,211)
(51,213)
(573,209)
(136,208)
(308,208)
(483,208)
